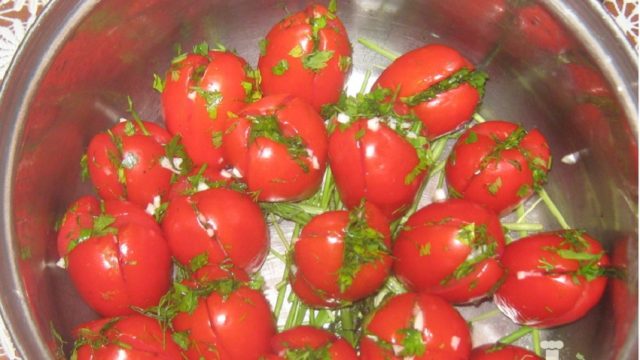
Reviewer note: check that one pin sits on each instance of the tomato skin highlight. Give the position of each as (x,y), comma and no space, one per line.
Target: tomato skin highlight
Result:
(129,266)
(308,337)
(225,224)
(534,266)
(420,69)
(449,333)
(429,250)
(502,352)
(266,165)
(319,254)
(132,337)
(483,169)
(222,74)
(374,166)
(126,164)
(317,86)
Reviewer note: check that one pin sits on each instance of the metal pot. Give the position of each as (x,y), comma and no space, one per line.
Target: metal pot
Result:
(71,77)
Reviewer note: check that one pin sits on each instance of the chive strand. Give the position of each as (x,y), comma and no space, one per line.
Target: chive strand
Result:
(348,329)
(479,118)
(535,335)
(379,49)
(553,209)
(523,227)
(516,335)
(520,214)
(279,256)
(365,82)
(485,316)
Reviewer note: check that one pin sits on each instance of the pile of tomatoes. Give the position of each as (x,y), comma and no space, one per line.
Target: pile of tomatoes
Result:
(168,254)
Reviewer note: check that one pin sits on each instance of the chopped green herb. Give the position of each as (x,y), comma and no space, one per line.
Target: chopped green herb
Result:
(84,167)
(263,46)
(362,245)
(201,49)
(412,343)
(344,63)
(280,68)
(524,190)
(268,126)
(477,79)
(182,339)
(158,83)
(317,60)
(297,51)
(212,98)
(472,137)
(495,186)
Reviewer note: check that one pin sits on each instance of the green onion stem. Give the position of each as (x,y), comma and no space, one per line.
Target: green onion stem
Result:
(328,187)
(278,255)
(379,49)
(479,118)
(523,227)
(553,209)
(280,233)
(529,210)
(348,332)
(291,317)
(520,214)
(535,335)
(484,316)
(300,314)
(365,82)
(516,335)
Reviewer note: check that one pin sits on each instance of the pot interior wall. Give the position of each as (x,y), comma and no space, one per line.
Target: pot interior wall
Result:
(115,50)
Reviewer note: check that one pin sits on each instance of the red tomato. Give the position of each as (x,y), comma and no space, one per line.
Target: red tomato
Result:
(479,36)
(534,29)
(502,352)
(307,54)
(279,146)
(420,326)
(117,258)
(231,322)
(451,249)
(201,89)
(497,164)
(371,161)
(307,342)
(225,224)
(418,72)
(127,162)
(552,278)
(131,337)
(341,257)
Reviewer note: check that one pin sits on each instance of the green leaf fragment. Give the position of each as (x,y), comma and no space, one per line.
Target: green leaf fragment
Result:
(297,51)
(412,343)
(158,83)
(280,68)
(317,60)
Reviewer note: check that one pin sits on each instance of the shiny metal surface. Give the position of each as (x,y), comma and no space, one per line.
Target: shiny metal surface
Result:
(72,75)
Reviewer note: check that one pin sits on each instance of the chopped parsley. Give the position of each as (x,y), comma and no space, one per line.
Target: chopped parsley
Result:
(280,68)
(268,126)
(362,245)
(476,79)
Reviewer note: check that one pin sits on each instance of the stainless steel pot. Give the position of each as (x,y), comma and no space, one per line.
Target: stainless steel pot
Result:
(71,77)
